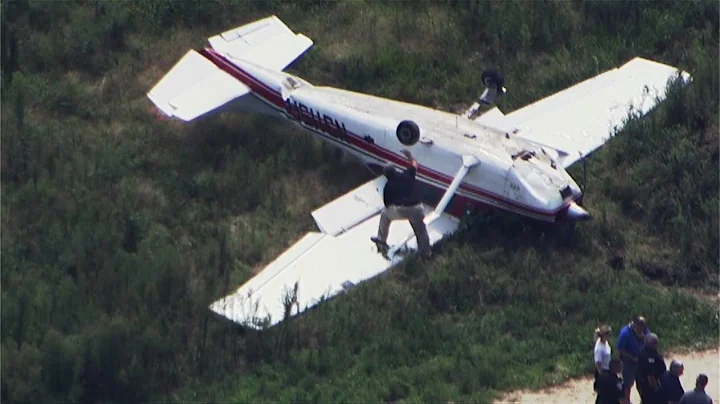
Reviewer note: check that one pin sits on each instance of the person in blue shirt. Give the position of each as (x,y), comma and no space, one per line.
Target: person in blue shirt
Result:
(672,389)
(630,342)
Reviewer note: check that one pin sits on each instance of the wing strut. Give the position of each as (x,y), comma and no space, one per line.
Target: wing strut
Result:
(468,163)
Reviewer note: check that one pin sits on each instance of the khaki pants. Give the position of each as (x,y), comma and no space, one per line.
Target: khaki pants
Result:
(415,215)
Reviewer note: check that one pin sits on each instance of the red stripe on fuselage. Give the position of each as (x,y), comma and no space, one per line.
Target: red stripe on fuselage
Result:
(274,98)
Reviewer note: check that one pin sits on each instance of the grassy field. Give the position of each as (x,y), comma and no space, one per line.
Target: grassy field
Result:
(119,229)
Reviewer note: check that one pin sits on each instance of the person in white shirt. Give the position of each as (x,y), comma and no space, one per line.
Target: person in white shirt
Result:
(603,352)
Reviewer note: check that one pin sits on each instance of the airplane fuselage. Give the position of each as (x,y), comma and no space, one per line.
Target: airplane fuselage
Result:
(513,175)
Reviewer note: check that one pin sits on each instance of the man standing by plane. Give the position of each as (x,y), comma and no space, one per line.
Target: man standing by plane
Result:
(401,204)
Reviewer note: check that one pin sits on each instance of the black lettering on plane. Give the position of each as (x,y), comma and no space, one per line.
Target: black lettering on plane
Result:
(303,109)
(317,120)
(328,123)
(344,132)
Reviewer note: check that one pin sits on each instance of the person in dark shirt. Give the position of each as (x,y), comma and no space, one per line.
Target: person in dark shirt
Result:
(609,385)
(697,396)
(651,367)
(401,204)
(672,389)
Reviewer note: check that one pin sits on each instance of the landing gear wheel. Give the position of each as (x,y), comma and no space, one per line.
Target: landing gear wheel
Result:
(408,133)
(493,79)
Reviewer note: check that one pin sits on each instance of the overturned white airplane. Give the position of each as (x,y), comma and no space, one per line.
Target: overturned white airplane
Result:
(515,162)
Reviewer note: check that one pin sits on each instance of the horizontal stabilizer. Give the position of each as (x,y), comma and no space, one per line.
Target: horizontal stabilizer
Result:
(267,42)
(352,208)
(195,86)
(583,117)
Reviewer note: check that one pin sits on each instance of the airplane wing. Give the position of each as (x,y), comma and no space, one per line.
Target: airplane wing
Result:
(323,264)
(581,118)
(196,86)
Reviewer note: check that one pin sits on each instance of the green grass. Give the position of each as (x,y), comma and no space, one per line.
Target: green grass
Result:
(118,229)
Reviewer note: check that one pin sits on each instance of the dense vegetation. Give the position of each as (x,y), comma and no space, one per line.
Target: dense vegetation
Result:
(118,229)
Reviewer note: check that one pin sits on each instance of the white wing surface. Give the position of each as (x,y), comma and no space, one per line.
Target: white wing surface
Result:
(581,118)
(196,86)
(267,42)
(325,264)
(193,87)
(352,208)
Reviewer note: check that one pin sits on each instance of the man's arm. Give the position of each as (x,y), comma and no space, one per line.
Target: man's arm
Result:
(410,157)
(625,354)
(622,344)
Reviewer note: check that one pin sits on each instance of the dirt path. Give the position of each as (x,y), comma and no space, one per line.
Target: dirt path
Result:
(580,390)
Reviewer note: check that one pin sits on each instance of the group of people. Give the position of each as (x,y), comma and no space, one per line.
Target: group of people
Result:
(641,364)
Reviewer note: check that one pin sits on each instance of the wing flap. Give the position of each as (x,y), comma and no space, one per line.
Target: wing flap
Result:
(579,119)
(267,42)
(352,208)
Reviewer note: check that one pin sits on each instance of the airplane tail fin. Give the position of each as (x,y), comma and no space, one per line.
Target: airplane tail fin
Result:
(196,86)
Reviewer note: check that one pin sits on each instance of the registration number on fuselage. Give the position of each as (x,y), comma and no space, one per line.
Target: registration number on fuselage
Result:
(316,120)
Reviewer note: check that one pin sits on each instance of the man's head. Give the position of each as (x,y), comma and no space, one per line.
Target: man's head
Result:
(652,341)
(389,171)
(639,324)
(615,365)
(701,382)
(677,368)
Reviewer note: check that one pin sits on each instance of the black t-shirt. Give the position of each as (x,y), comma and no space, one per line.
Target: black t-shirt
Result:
(609,388)
(671,387)
(399,189)
(650,363)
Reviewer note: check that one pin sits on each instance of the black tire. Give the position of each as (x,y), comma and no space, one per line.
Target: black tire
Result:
(408,133)
(492,78)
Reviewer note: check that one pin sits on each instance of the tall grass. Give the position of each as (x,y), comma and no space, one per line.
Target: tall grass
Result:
(119,230)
